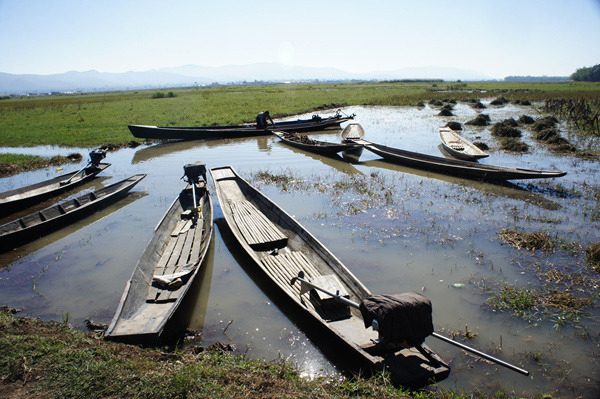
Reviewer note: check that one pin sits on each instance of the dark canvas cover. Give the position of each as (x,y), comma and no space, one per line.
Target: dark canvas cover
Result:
(401,317)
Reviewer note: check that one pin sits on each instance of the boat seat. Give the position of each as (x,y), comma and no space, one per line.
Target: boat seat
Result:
(258,231)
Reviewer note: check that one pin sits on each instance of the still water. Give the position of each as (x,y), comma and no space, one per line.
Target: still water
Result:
(433,234)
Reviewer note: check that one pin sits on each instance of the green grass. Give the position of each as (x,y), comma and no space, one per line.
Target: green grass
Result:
(93,119)
(16,163)
(52,361)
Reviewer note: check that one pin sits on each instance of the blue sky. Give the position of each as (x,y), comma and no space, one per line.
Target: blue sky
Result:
(494,37)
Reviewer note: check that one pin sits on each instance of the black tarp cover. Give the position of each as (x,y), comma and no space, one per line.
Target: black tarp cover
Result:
(401,317)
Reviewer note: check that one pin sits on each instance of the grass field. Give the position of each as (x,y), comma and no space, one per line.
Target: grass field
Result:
(93,119)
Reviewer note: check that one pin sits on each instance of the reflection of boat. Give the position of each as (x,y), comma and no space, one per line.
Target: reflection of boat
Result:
(280,247)
(502,189)
(18,253)
(321,147)
(459,147)
(40,223)
(332,160)
(211,132)
(168,266)
(23,197)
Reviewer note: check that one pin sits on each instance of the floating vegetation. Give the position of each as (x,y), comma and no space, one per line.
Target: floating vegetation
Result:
(537,240)
(544,123)
(508,297)
(554,140)
(592,253)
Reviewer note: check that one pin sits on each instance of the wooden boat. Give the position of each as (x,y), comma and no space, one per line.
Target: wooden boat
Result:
(459,147)
(280,248)
(38,224)
(307,144)
(23,197)
(168,266)
(454,167)
(316,123)
(354,133)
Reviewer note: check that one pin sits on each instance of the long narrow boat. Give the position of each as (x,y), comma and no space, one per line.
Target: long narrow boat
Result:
(455,167)
(280,248)
(316,123)
(38,224)
(168,266)
(20,198)
(459,147)
(307,144)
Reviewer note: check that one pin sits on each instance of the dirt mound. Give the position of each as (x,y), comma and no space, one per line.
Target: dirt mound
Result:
(522,102)
(454,125)
(435,102)
(481,145)
(480,120)
(479,105)
(505,129)
(500,101)
(526,120)
(445,112)
(513,144)
(546,122)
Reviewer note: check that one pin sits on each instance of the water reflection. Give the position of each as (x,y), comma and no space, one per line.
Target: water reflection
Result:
(333,161)
(8,258)
(503,189)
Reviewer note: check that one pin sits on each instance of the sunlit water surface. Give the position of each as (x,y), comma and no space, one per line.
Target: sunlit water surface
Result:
(436,235)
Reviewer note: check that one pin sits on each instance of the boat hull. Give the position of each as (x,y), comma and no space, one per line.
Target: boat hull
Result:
(138,320)
(232,131)
(455,167)
(38,224)
(459,147)
(23,197)
(279,260)
(319,147)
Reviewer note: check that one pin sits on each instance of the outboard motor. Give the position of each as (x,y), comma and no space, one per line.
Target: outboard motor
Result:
(194,170)
(96,156)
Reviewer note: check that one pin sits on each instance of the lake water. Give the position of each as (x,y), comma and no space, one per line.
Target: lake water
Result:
(433,234)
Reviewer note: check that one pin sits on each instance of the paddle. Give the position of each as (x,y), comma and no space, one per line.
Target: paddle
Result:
(305,283)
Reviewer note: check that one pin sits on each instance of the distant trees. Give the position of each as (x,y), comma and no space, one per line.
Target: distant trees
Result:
(591,74)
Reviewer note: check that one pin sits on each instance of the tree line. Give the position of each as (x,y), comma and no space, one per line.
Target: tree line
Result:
(591,74)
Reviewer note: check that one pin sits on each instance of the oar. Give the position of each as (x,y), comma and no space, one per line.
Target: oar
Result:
(305,283)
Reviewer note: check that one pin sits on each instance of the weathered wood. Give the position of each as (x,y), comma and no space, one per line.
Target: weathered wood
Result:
(256,229)
(144,310)
(303,252)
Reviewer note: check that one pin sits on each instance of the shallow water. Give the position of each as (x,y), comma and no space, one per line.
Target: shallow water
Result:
(434,232)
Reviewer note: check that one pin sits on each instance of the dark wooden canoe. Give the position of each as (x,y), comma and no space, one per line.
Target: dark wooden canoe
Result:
(280,248)
(21,198)
(38,224)
(179,245)
(316,123)
(455,167)
(321,147)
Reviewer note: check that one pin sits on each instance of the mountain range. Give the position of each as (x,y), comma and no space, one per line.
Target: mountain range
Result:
(189,75)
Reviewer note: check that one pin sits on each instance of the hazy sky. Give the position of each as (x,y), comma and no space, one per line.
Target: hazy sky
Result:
(494,37)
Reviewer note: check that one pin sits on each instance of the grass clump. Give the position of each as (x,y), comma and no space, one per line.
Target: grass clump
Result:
(534,241)
(16,163)
(592,253)
(479,120)
(518,301)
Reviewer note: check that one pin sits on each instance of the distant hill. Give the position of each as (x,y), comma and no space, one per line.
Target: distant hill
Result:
(188,75)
